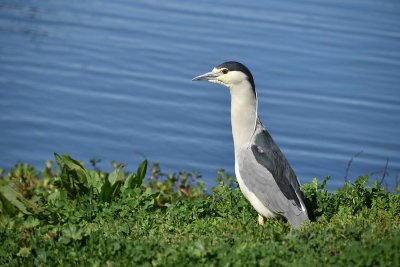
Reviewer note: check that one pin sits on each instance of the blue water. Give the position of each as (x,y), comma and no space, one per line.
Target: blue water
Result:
(112,80)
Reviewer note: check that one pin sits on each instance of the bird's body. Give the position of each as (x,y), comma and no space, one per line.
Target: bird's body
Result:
(264,175)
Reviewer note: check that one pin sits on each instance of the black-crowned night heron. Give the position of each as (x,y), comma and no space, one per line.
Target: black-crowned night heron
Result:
(264,175)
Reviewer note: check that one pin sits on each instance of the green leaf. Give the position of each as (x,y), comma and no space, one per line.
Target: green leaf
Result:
(76,166)
(114,176)
(14,198)
(24,252)
(115,190)
(94,180)
(58,159)
(54,197)
(74,177)
(105,191)
(326,179)
(9,195)
(71,232)
(135,180)
(8,207)
(111,186)
(141,172)
(31,222)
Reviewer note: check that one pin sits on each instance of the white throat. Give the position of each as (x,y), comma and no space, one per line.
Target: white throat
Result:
(243,113)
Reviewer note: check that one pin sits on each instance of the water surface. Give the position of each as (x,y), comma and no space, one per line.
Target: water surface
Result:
(112,80)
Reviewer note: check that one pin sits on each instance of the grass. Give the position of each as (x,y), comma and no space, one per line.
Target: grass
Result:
(70,215)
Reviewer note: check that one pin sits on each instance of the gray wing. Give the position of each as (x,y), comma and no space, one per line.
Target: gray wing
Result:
(267,173)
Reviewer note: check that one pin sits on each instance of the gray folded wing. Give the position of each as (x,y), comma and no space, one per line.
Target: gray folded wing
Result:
(267,173)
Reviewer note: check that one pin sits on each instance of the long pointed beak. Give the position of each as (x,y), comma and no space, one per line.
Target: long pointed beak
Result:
(206,76)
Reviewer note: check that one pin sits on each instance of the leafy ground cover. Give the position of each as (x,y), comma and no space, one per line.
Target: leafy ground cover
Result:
(70,215)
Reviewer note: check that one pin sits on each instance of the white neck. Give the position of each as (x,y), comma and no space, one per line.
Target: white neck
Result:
(243,114)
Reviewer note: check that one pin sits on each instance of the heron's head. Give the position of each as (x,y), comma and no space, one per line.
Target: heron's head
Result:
(229,73)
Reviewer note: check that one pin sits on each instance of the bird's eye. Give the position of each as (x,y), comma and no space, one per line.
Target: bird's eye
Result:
(225,71)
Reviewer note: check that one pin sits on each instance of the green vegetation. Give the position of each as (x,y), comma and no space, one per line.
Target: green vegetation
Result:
(70,216)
